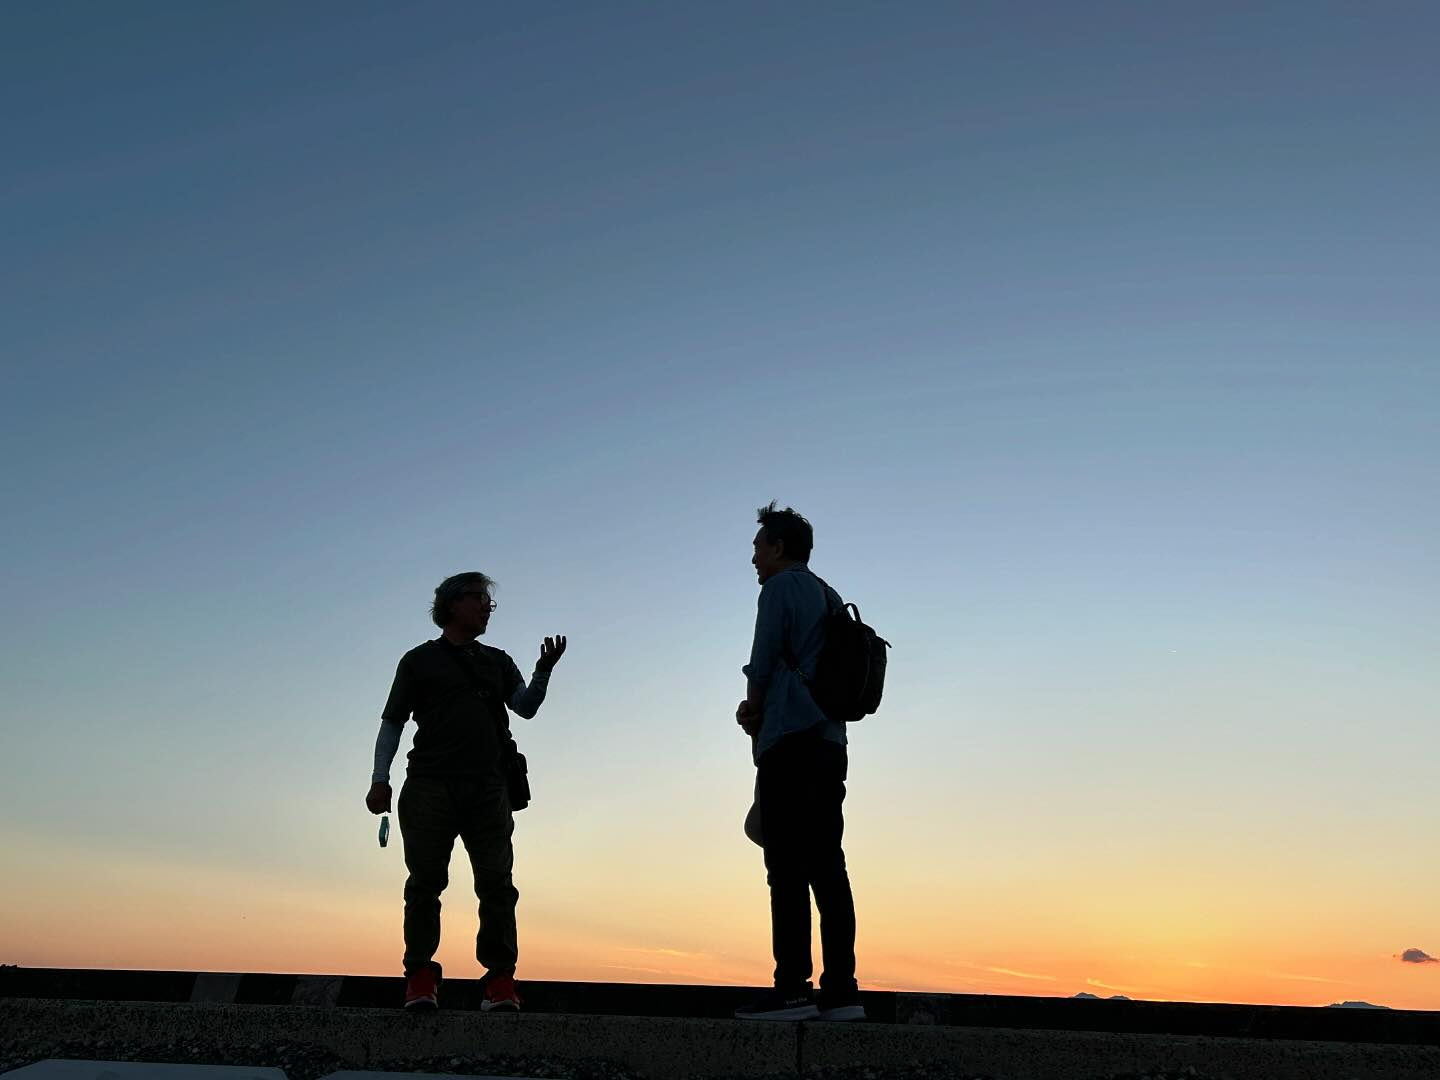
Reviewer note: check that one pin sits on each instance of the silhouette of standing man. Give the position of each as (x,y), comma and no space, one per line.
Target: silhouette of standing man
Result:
(801,761)
(457,690)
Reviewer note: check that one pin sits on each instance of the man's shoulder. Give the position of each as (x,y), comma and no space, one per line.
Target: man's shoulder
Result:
(421,655)
(435,649)
(800,589)
(793,580)
(499,656)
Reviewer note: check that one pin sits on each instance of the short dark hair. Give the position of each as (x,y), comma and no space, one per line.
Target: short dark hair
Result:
(787,527)
(450,590)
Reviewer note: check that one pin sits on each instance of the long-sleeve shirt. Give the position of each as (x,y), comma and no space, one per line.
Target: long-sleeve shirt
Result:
(790,629)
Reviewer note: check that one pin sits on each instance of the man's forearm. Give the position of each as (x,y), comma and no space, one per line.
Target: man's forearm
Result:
(387,741)
(526,700)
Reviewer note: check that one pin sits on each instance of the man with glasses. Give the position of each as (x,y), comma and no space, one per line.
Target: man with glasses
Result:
(457,690)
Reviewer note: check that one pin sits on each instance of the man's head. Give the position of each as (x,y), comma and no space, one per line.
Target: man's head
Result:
(784,538)
(463,603)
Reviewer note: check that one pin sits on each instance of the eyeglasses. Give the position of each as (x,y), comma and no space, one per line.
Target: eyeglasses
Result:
(490,605)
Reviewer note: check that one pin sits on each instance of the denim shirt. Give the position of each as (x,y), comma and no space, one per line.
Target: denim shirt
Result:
(791,617)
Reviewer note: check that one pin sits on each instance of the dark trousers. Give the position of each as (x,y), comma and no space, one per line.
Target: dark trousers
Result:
(801,785)
(432,813)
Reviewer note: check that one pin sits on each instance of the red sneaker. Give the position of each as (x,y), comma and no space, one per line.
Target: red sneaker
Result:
(421,990)
(500,994)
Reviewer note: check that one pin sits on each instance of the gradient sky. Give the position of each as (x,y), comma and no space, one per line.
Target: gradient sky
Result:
(1099,342)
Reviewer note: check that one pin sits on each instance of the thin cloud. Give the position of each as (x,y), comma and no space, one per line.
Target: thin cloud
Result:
(1301,978)
(1121,989)
(1019,974)
(1417,956)
(951,967)
(640,970)
(678,954)
(695,974)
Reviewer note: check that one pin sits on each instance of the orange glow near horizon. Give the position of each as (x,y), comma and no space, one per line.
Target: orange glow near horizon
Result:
(364,940)
(92,911)
(1380,980)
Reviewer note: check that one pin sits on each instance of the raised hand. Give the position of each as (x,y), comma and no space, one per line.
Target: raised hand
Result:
(550,652)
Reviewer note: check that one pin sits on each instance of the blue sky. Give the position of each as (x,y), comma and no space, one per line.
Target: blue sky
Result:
(1099,342)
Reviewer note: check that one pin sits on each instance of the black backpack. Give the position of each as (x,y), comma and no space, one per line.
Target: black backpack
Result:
(850,674)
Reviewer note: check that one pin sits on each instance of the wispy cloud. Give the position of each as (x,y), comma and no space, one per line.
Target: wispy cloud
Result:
(1110,986)
(881,984)
(668,963)
(678,954)
(952,968)
(1417,956)
(1019,974)
(1301,978)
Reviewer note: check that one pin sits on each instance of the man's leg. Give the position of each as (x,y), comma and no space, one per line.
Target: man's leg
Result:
(486,829)
(827,873)
(782,815)
(428,827)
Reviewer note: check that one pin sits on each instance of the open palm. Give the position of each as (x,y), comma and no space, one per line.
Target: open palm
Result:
(550,652)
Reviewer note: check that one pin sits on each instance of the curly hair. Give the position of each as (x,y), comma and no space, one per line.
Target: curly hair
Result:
(451,589)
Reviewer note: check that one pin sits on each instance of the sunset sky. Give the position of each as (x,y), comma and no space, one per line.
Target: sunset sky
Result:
(1100,343)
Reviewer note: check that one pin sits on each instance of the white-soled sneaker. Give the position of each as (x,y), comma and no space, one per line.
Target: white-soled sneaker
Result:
(839,1006)
(780,1005)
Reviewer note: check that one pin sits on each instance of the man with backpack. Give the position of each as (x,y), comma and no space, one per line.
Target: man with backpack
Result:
(801,760)
(465,778)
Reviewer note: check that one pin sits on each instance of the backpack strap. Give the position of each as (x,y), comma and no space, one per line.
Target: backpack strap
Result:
(825,591)
(830,609)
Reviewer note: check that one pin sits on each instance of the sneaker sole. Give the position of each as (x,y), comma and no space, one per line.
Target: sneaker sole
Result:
(423,1005)
(842,1013)
(499,1006)
(799,1012)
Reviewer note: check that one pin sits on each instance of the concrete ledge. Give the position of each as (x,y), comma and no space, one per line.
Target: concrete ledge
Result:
(1014,1054)
(719,1002)
(669,1048)
(654,1046)
(139,1070)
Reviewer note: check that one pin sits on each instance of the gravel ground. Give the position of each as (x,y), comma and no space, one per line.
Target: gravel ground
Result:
(301,1062)
(942,1070)
(946,1071)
